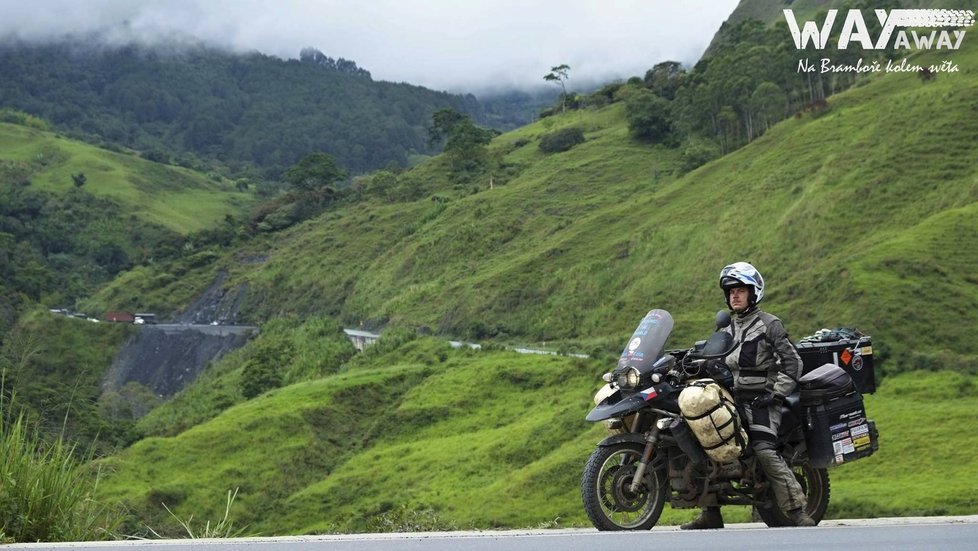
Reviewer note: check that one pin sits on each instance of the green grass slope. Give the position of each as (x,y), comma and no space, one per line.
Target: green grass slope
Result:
(420,431)
(432,438)
(176,198)
(923,466)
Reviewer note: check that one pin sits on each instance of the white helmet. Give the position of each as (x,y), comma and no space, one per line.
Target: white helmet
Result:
(741,274)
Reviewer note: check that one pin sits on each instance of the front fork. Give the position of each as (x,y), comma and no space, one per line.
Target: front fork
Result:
(651,440)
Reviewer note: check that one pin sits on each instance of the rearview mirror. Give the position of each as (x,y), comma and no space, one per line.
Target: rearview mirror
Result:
(723,319)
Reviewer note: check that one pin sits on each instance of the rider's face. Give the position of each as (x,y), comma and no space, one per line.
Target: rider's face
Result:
(739,297)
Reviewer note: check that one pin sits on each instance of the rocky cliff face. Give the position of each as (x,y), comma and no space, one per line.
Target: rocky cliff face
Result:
(167,357)
(216,304)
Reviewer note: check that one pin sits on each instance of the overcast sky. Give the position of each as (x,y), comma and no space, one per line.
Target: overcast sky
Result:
(458,45)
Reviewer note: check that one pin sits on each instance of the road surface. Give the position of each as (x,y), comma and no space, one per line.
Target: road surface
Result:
(922,533)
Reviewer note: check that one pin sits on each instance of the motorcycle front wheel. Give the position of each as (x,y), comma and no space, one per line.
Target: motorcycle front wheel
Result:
(606,489)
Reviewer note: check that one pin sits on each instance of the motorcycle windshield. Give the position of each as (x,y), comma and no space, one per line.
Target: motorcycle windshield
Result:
(648,341)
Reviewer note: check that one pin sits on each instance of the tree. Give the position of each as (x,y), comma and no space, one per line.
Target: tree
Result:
(466,145)
(697,152)
(79,179)
(558,74)
(649,117)
(443,122)
(464,141)
(248,112)
(314,172)
(665,78)
(382,184)
(767,105)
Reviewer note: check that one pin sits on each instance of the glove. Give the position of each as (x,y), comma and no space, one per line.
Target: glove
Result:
(720,373)
(767,400)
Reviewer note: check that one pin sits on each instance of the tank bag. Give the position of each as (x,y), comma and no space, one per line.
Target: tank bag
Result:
(710,411)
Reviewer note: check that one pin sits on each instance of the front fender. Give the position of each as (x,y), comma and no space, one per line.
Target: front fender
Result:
(606,410)
(632,437)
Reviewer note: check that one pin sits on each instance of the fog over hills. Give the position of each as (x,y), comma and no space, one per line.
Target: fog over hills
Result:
(473,46)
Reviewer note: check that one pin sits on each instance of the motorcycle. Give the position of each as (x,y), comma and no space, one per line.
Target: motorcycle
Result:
(651,457)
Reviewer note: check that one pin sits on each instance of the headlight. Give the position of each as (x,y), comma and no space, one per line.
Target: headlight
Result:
(629,378)
(632,376)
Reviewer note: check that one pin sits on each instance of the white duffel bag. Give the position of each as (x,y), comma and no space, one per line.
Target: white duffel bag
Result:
(712,416)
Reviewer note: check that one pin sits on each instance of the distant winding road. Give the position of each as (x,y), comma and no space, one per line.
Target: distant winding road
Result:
(216,330)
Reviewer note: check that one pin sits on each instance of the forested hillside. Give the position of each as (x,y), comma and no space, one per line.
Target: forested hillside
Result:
(193,105)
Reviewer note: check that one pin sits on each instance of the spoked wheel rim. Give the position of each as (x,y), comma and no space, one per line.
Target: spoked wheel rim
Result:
(618,502)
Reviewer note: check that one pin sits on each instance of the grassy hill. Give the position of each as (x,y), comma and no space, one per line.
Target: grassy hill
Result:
(174,198)
(862,215)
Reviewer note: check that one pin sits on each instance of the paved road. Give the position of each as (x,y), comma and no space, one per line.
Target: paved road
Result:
(218,330)
(927,533)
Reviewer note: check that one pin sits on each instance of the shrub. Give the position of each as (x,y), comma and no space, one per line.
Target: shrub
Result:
(561,140)
(549,112)
(24,119)
(266,368)
(649,117)
(609,91)
(698,152)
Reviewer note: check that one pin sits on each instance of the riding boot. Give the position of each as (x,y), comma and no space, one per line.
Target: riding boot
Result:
(709,517)
(801,518)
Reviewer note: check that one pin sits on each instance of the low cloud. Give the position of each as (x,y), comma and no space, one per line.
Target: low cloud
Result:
(441,44)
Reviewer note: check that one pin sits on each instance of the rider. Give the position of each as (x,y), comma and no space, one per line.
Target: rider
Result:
(765,367)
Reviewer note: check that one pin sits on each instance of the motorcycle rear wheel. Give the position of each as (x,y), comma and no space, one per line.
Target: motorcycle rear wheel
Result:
(605,488)
(815,483)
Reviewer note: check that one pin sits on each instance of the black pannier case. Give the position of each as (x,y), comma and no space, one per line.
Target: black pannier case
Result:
(855,355)
(836,427)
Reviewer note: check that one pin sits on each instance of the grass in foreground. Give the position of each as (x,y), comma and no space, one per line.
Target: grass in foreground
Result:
(45,494)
